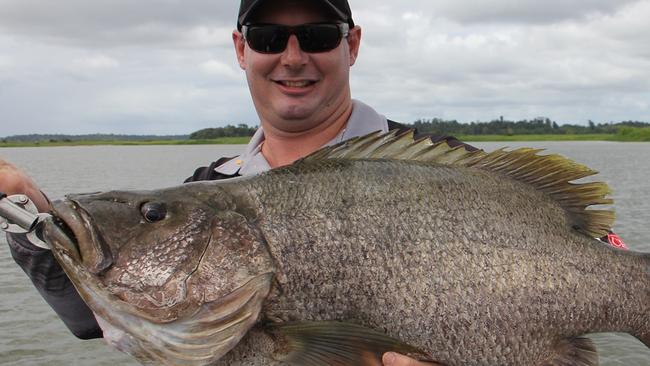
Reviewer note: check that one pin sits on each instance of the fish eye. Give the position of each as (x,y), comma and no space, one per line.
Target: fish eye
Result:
(153,211)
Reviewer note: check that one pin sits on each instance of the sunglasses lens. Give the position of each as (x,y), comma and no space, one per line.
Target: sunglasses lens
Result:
(267,38)
(313,38)
(319,37)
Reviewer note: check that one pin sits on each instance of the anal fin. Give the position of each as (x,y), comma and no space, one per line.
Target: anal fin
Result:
(574,352)
(335,343)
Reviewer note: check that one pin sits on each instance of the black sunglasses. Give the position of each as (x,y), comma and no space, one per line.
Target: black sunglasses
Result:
(312,37)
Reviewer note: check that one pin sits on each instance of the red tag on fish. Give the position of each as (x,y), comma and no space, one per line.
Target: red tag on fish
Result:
(616,241)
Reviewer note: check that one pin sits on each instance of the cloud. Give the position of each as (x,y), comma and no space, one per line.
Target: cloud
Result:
(167,66)
(219,68)
(96,62)
(528,11)
(5,62)
(110,23)
(570,70)
(507,11)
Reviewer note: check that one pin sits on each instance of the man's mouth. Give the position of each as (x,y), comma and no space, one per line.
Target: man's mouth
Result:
(296,83)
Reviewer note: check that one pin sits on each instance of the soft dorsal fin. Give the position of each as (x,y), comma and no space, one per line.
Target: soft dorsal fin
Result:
(551,174)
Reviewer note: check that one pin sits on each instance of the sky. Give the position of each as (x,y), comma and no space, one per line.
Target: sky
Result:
(168,66)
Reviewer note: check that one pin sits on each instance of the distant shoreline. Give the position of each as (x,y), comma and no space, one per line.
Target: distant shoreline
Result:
(218,141)
(571,137)
(244,140)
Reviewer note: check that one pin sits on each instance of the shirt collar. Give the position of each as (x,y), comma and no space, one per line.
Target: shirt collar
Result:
(363,120)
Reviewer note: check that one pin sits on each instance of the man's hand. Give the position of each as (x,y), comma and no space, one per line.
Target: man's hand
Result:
(395,359)
(15,181)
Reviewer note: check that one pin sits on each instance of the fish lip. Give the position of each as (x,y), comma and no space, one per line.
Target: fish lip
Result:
(61,238)
(76,229)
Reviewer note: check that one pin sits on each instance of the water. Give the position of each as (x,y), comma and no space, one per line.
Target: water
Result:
(31,334)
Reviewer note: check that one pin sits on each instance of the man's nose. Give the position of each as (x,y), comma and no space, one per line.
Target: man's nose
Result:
(293,55)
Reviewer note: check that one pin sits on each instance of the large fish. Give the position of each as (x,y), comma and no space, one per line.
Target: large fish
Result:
(381,243)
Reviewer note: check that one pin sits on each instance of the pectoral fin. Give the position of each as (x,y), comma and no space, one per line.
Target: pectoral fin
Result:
(334,343)
(574,352)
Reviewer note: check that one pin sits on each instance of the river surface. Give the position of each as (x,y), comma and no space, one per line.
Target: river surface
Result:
(31,334)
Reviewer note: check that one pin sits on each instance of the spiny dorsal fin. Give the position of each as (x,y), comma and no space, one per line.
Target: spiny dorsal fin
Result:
(551,174)
(574,352)
(334,343)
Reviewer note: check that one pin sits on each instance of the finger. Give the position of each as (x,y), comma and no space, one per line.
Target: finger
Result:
(395,359)
(12,180)
(15,181)
(5,165)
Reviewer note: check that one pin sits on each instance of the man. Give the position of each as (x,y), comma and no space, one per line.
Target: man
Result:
(302,97)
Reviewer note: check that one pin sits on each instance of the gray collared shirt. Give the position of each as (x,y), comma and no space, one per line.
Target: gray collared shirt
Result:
(363,120)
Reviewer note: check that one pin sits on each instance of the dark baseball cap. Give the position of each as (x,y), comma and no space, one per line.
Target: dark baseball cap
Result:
(340,8)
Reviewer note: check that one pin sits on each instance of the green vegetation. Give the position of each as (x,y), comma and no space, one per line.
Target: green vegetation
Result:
(585,137)
(56,138)
(633,134)
(219,141)
(625,134)
(240,130)
(537,126)
(540,129)
(229,134)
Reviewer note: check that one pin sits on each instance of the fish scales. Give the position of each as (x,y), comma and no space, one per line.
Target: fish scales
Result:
(464,258)
(497,265)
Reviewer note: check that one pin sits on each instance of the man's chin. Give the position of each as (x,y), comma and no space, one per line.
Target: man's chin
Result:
(296,119)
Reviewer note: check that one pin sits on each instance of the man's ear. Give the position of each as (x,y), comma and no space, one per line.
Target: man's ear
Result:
(240,47)
(354,43)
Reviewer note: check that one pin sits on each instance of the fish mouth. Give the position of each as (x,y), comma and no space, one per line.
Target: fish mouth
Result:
(72,232)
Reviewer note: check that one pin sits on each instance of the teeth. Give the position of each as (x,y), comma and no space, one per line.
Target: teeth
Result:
(296,84)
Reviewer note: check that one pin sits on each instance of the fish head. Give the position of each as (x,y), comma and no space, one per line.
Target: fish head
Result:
(178,273)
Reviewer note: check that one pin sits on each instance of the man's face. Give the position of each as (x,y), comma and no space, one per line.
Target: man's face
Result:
(295,91)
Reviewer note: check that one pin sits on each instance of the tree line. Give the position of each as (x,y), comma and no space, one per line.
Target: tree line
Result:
(537,126)
(499,126)
(241,130)
(88,137)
